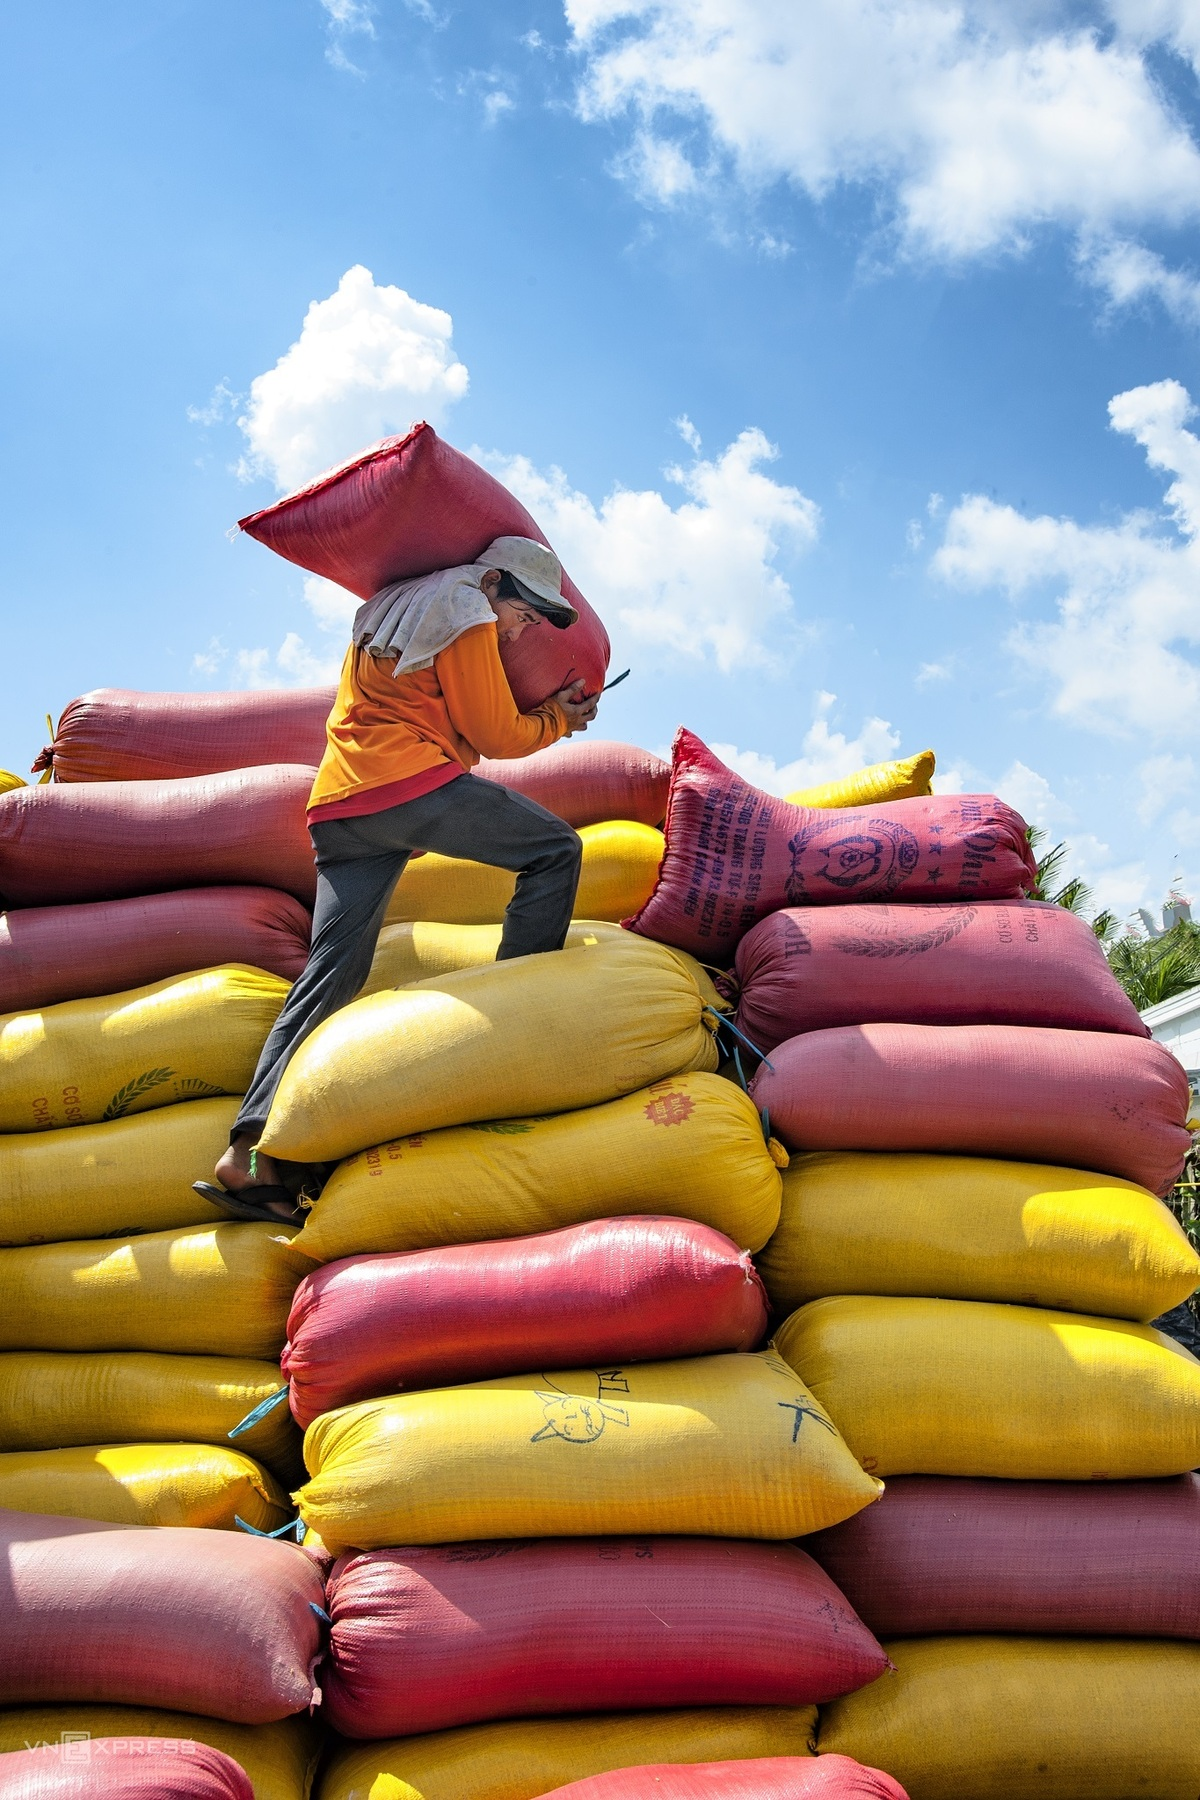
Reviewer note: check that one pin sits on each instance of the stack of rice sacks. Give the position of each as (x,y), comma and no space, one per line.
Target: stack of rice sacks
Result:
(553,1467)
(970,1250)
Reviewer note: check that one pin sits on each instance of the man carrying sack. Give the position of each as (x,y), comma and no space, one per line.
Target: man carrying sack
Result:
(423,695)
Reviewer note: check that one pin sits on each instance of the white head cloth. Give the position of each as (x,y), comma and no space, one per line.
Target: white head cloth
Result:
(416,620)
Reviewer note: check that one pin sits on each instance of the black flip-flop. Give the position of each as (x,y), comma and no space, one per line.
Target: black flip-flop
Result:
(241,1206)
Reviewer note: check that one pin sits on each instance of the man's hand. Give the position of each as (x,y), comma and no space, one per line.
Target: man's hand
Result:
(579,711)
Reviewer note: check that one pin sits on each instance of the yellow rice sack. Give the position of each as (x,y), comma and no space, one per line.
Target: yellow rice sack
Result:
(186,1038)
(900,780)
(620,866)
(50,1400)
(957,1387)
(130,1175)
(517,1759)
(219,1290)
(279,1759)
(1027,1718)
(967,1228)
(539,1034)
(425,949)
(9,781)
(720,1446)
(689,1148)
(145,1484)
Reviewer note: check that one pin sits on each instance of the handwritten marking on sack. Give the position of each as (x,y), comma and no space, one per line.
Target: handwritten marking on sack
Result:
(575,1418)
(670,1109)
(803,1410)
(133,1091)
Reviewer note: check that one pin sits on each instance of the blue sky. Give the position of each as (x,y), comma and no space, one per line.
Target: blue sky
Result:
(845,352)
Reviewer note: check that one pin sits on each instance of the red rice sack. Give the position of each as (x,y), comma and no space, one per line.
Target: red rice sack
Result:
(611,1291)
(735,854)
(104,840)
(210,1622)
(422,1639)
(937,1554)
(410,505)
(123,1769)
(118,734)
(759,1778)
(991,962)
(53,953)
(588,783)
(1086,1099)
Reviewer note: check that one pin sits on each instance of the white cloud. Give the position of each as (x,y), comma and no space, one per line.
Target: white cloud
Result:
(929,672)
(1127,273)
(826,755)
(221,404)
(496,104)
(368,360)
(977,122)
(1119,652)
(351,15)
(694,579)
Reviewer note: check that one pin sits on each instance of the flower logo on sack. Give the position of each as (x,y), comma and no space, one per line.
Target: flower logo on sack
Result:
(578,1420)
(670,1109)
(880,860)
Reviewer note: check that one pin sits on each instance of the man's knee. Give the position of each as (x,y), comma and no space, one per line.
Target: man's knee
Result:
(568,851)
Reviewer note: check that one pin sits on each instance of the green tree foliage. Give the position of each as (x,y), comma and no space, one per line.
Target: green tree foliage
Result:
(1155,969)
(1075,895)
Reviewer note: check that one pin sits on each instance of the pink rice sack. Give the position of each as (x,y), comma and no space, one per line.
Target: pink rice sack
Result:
(735,854)
(758,1778)
(637,1289)
(974,962)
(446,1634)
(1085,1099)
(104,840)
(119,734)
(588,783)
(53,953)
(204,1622)
(146,1768)
(413,504)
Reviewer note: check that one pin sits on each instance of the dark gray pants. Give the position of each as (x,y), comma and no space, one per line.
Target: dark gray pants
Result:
(359,862)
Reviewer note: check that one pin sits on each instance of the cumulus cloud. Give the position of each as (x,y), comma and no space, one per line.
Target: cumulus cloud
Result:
(976,122)
(1119,652)
(368,360)
(826,754)
(695,579)
(1128,273)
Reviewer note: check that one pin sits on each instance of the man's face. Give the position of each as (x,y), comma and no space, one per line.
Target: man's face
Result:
(512,616)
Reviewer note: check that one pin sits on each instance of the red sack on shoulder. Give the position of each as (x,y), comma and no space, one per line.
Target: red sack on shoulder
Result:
(410,505)
(735,854)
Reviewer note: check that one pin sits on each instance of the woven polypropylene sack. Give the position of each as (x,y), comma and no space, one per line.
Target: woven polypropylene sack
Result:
(85,1062)
(105,840)
(174,1769)
(716,1446)
(992,1718)
(967,1228)
(217,1290)
(538,1034)
(993,962)
(51,1400)
(906,778)
(586,783)
(216,1622)
(423,949)
(620,867)
(408,506)
(1086,1099)
(761,1778)
(956,1387)
(422,1639)
(145,1484)
(134,1174)
(519,1759)
(53,953)
(279,1759)
(1119,1559)
(119,734)
(734,854)
(615,1290)
(691,1147)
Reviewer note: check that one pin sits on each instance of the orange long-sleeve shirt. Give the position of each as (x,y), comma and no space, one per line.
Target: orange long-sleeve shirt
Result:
(391,737)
